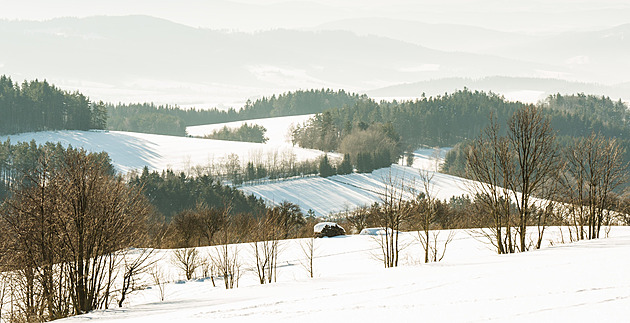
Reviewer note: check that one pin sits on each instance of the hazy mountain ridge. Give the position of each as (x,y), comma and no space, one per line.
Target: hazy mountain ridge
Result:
(140,58)
(447,37)
(526,89)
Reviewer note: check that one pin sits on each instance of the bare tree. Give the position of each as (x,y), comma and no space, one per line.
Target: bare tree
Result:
(595,168)
(64,220)
(489,165)
(227,263)
(624,208)
(391,215)
(226,254)
(159,280)
(32,245)
(210,221)
(208,269)
(516,168)
(426,209)
(187,261)
(360,218)
(266,241)
(140,262)
(308,248)
(537,159)
(101,215)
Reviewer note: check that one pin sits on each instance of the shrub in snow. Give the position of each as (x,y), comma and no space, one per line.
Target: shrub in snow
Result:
(328,229)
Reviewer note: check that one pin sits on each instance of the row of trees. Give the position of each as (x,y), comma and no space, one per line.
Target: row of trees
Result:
(368,147)
(172,193)
(22,158)
(67,220)
(246,133)
(525,177)
(38,106)
(571,117)
(203,226)
(522,179)
(436,121)
(298,102)
(455,118)
(259,167)
(63,227)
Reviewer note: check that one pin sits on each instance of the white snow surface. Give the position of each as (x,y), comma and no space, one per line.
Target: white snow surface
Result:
(345,192)
(585,281)
(131,151)
(277,128)
(429,158)
(376,231)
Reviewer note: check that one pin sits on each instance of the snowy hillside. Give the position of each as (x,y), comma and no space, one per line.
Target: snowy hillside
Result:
(130,150)
(346,192)
(277,128)
(579,282)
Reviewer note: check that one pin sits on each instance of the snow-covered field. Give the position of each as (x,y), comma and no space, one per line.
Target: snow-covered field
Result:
(586,281)
(277,128)
(132,151)
(429,158)
(346,192)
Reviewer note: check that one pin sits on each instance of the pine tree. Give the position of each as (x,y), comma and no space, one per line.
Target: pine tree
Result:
(346,166)
(325,169)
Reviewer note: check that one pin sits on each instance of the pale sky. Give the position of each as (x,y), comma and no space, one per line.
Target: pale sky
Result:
(251,15)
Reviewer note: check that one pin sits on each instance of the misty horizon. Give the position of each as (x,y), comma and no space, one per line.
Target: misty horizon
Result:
(220,54)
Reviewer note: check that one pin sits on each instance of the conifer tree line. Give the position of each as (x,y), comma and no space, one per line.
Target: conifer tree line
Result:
(573,118)
(453,120)
(172,120)
(245,133)
(38,106)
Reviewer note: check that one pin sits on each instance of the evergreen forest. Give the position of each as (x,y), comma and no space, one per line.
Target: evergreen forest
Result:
(172,120)
(40,106)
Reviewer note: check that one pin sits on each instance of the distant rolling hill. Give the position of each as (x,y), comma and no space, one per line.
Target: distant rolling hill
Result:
(523,89)
(131,151)
(140,58)
(446,37)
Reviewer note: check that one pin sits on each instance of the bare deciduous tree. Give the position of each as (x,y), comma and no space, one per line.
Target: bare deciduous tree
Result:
(187,261)
(360,218)
(537,160)
(266,241)
(226,260)
(391,215)
(134,263)
(595,168)
(226,255)
(515,168)
(489,165)
(101,215)
(65,220)
(159,280)
(425,209)
(308,249)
